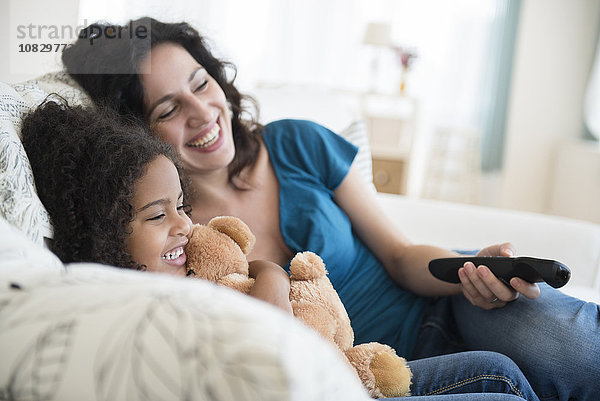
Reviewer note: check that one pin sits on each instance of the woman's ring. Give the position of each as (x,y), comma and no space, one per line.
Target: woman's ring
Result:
(493,301)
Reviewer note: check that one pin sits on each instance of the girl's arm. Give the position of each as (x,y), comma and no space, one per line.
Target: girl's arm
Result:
(407,263)
(271,284)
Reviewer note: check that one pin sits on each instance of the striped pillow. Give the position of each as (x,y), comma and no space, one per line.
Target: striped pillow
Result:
(356,133)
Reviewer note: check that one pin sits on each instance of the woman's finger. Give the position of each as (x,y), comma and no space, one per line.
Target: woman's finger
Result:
(474,296)
(467,285)
(529,290)
(495,285)
(478,283)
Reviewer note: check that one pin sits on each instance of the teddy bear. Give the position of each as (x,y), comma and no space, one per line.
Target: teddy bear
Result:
(217,252)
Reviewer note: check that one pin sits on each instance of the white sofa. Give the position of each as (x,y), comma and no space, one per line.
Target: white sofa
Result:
(467,227)
(94,332)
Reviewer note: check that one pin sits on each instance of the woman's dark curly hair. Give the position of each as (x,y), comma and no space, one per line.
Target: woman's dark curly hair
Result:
(85,164)
(106,66)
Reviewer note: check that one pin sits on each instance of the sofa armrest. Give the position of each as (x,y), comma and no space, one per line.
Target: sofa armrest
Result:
(460,226)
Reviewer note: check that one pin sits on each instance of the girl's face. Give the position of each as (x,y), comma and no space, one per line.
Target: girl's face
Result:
(187,108)
(160,228)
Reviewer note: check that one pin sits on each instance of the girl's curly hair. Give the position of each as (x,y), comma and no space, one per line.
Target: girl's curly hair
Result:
(85,164)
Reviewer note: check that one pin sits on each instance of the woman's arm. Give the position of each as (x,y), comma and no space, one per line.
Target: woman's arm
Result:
(407,263)
(271,284)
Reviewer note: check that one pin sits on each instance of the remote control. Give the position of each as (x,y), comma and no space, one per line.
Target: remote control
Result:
(529,269)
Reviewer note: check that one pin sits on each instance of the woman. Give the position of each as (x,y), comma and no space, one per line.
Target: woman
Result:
(294,184)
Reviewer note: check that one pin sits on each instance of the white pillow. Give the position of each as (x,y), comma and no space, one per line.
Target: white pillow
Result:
(102,333)
(19,203)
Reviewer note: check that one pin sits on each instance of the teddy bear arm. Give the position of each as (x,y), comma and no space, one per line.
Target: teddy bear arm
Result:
(316,317)
(237,281)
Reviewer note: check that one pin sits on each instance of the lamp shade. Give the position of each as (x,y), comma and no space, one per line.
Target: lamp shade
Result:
(378,34)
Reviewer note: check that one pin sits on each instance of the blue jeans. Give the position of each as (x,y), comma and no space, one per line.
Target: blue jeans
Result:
(469,372)
(555,339)
(461,397)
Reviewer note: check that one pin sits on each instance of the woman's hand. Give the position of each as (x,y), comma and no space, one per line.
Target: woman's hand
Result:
(271,284)
(483,289)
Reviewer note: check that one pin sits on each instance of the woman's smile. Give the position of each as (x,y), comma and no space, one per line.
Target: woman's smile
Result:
(207,141)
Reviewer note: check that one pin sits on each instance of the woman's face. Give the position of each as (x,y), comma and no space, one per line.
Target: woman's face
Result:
(187,108)
(160,228)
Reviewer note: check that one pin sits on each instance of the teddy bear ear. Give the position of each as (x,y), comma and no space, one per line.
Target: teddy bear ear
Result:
(236,229)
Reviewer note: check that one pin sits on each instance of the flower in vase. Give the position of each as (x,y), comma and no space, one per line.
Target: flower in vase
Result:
(406,56)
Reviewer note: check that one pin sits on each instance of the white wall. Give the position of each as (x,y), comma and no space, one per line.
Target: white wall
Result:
(555,47)
(4,41)
(36,12)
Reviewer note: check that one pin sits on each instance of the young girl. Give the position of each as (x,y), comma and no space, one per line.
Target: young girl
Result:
(115,196)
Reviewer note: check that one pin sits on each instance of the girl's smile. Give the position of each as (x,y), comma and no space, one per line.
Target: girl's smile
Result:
(175,257)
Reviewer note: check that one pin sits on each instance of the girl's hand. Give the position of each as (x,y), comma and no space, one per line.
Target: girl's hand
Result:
(483,289)
(272,284)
